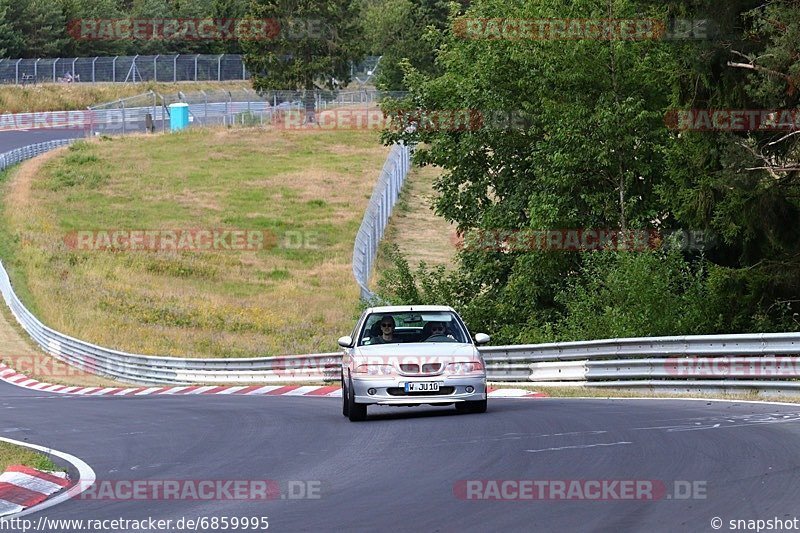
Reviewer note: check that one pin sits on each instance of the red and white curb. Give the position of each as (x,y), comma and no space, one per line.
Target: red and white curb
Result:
(86,478)
(22,487)
(9,375)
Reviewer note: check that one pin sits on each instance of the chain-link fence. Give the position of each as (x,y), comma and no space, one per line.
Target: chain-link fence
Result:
(131,69)
(124,69)
(150,111)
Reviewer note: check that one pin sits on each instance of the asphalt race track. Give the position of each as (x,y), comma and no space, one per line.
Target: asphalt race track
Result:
(9,140)
(399,469)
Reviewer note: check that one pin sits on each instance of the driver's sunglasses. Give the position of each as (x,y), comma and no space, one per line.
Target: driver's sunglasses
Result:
(387,325)
(437,328)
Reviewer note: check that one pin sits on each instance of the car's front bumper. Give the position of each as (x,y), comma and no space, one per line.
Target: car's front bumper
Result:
(386,390)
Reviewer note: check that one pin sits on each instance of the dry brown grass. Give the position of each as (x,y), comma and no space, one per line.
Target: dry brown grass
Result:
(415,228)
(203,304)
(67,97)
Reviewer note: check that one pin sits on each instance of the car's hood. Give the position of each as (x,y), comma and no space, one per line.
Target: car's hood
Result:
(420,350)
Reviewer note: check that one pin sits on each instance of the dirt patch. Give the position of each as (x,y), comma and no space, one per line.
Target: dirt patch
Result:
(19,188)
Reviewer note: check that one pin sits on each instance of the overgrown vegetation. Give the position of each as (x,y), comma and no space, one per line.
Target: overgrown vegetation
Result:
(594,150)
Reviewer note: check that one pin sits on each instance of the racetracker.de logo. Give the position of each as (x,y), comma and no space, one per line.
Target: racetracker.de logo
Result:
(574,29)
(193,240)
(578,489)
(421,120)
(580,240)
(201,489)
(734,120)
(743,367)
(196,29)
(80,120)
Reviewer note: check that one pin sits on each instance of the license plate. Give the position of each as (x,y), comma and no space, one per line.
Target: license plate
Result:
(422,386)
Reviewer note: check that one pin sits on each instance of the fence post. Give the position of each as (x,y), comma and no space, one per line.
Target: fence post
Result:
(195,66)
(243,71)
(155,68)
(16,77)
(219,67)
(36,69)
(73,68)
(93,69)
(114,69)
(54,69)
(175,68)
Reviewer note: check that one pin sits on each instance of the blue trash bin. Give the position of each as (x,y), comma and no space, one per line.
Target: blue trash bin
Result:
(178,116)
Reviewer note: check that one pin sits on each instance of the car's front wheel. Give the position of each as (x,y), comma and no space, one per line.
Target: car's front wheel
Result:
(476,407)
(345,404)
(356,412)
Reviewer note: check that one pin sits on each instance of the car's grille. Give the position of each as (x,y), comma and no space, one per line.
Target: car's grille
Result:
(427,368)
(400,391)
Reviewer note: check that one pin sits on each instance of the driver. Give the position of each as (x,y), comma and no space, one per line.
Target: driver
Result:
(387,331)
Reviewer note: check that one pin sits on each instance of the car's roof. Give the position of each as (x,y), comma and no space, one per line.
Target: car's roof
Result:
(408,308)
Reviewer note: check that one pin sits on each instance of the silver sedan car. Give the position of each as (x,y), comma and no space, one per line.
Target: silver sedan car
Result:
(412,355)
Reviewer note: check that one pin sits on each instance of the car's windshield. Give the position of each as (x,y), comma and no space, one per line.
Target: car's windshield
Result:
(405,327)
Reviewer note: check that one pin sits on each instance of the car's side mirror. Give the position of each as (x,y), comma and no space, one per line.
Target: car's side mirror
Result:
(482,338)
(345,342)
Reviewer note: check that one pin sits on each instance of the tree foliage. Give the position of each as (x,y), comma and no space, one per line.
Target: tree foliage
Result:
(595,152)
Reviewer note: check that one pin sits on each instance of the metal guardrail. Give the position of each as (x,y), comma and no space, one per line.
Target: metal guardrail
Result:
(18,155)
(384,196)
(762,361)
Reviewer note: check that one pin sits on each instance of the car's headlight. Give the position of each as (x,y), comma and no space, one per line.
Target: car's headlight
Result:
(375,370)
(464,368)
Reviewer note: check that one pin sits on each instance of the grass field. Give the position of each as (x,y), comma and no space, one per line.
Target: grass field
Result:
(308,189)
(17,455)
(68,97)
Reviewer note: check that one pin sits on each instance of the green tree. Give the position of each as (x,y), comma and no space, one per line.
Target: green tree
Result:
(312,49)
(404,30)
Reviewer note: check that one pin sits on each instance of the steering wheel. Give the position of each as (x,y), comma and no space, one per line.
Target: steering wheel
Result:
(439,338)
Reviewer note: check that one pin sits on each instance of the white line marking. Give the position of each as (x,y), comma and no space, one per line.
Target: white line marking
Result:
(580,446)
